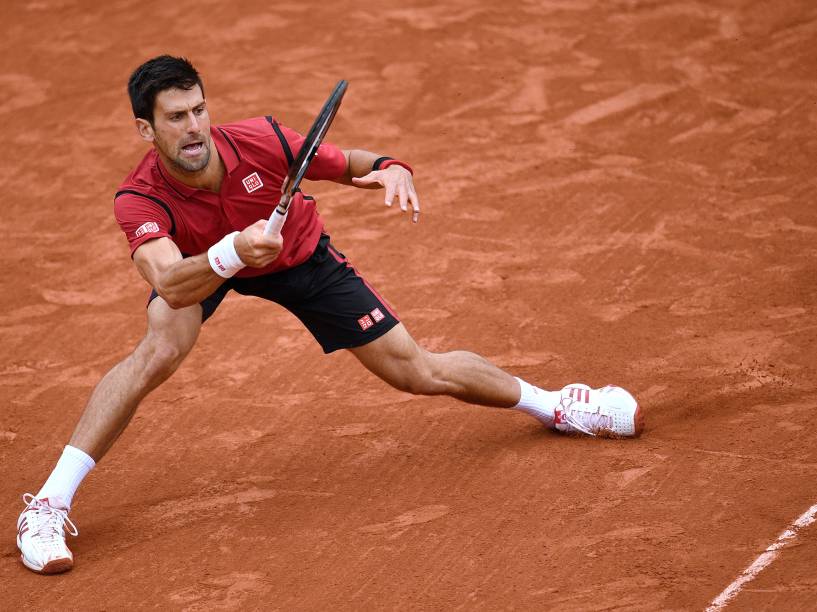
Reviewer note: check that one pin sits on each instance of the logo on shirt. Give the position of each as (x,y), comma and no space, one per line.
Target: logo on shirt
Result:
(377,315)
(147,228)
(252,182)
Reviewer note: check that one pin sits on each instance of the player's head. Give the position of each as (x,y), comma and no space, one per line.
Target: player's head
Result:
(167,97)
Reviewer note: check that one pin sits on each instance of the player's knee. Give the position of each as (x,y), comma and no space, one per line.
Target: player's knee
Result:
(161,359)
(419,379)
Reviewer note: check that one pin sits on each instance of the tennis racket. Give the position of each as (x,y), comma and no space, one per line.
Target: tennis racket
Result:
(299,165)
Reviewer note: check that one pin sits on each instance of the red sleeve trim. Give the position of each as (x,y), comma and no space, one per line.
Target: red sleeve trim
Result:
(142,217)
(155,200)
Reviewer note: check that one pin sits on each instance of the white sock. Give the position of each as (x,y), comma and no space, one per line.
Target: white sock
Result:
(538,402)
(72,467)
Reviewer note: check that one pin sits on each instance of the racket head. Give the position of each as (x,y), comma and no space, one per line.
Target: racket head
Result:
(309,148)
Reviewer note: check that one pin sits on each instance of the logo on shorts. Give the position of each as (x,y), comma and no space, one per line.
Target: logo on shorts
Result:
(147,228)
(252,182)
(371,319)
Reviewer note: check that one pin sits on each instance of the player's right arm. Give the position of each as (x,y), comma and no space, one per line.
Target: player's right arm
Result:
(180,281)
(184,281)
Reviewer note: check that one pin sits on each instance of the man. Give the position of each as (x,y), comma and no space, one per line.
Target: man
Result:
(194,212)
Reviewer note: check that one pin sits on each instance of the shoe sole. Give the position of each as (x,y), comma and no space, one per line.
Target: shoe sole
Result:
(638,418)
(56,566)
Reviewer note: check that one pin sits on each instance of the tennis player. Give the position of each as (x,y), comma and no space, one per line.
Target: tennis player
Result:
(193,211)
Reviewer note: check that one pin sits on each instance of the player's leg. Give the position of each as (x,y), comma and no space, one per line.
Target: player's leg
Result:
(343,311)
(398,360)
(41,527)
(170,336)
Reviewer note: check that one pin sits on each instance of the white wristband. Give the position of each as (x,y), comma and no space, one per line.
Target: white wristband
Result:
(223,258)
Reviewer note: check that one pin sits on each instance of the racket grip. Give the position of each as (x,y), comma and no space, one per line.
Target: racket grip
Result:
(275,223)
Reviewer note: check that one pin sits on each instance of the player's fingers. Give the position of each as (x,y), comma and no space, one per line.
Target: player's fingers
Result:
(389,193)
(403,194)
(366,180)
(415,205)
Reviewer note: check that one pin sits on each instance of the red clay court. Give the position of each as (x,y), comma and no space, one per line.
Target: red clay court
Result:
(613,192)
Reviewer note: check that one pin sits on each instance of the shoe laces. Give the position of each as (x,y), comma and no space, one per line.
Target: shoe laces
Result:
(47,522)
(584,417)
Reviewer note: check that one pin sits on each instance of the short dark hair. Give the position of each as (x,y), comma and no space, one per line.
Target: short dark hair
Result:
(155,76)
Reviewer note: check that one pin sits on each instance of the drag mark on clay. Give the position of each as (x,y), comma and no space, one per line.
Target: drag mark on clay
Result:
(764,560)
(787,461)
(629,99)
(177,513)
(230,590)
(624,478)
(424,514)
(354,429)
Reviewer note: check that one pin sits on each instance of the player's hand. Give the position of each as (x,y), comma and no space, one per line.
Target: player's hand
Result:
(255,248)
(397,181)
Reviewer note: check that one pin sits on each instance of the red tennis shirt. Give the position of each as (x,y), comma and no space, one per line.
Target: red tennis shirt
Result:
(256,154)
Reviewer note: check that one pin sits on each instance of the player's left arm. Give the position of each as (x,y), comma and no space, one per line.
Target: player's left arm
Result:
(394,176)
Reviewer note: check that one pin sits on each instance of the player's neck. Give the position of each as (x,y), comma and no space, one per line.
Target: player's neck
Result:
(208,178)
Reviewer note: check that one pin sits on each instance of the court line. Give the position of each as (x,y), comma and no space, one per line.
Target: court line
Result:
(764,560)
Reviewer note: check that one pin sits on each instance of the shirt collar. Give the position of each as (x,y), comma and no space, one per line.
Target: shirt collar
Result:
(227,150)
(176,185)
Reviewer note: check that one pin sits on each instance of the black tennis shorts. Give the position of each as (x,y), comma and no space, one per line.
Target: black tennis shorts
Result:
(325,292)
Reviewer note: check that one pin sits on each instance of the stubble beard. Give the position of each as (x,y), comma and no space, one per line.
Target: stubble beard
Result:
(188,166)
(193,165)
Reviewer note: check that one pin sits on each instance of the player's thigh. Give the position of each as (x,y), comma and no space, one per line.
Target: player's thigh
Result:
(328,295)
(395,357)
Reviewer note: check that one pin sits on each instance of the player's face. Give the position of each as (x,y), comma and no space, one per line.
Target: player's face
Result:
(181,128)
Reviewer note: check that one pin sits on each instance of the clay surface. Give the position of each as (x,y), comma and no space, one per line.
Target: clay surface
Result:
(613,191)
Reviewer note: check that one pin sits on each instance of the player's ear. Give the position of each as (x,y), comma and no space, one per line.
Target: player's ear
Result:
(145,130)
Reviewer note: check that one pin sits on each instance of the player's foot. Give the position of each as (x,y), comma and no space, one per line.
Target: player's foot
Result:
(608,412)
(41,536)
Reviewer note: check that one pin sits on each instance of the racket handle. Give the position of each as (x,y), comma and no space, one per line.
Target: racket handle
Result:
(275,223)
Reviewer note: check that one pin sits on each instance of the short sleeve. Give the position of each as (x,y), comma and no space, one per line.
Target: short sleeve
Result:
(328,164)
(141,218)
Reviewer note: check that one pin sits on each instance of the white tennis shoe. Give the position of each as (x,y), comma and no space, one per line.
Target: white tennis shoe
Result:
(41,536)
(607,412)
